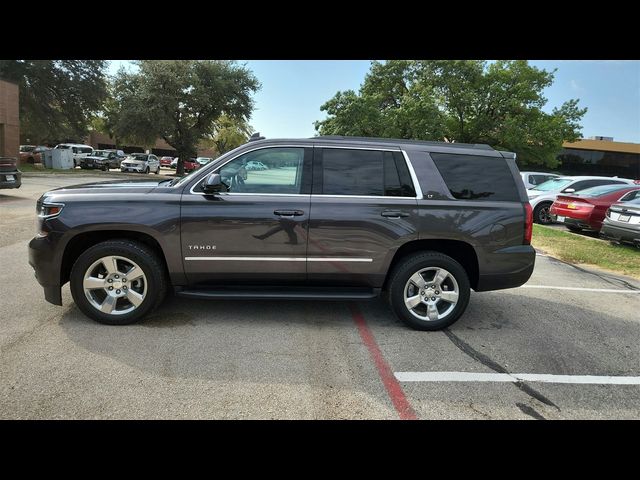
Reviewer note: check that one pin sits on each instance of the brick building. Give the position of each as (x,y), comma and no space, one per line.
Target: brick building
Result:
(9,119)
(161,148)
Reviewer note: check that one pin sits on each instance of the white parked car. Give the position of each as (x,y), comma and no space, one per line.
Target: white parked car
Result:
(542,196)
(531,179)
(203,160)
(140,162)
(254,165)
(79,151)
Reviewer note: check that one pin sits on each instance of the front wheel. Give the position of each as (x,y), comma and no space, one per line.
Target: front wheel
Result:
(541,214)
(117,282)
(146,170)
(429,291)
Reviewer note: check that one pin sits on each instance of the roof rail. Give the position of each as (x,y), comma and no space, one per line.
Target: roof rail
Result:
(479,146)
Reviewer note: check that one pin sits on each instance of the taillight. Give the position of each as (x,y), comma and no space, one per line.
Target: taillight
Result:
(528,224)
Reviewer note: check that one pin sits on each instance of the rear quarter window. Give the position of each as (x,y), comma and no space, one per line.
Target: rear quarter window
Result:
(470,177)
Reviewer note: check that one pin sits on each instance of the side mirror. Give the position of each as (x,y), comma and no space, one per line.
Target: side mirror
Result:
(213,184)
(569,190)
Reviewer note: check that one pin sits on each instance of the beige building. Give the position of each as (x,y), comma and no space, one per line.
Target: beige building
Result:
(9,119)
(590,156)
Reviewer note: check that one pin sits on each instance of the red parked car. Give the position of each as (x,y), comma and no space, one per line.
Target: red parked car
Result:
(166,161)
(586,210)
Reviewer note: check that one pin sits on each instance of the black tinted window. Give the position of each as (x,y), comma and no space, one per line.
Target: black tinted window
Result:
(470,177)
(352,172)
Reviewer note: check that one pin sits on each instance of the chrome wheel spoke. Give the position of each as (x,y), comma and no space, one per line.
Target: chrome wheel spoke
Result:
(109,304)
(412,302)
(134,297)
(93,283)
(449,296)
(417,280)
(440,276)
(432,312)
(134,274)
(110,264)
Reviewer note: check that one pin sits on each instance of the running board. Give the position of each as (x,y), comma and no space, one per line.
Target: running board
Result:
(281,293)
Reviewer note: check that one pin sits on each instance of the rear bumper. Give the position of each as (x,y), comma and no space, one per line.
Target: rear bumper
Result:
(621,234)
(577,222)
(15,183)
(41,258)
(511,267)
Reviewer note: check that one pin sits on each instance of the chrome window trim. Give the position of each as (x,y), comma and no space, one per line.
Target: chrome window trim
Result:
(414,177)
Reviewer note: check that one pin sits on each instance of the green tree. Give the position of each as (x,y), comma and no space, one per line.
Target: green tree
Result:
(58,98)
(467,101)
(228,134)
(180,101)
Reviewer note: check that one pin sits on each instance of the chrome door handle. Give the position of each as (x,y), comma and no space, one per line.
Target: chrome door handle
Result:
(288,213)
(394,214)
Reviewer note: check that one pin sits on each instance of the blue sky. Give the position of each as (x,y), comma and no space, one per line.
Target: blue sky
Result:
(293,91)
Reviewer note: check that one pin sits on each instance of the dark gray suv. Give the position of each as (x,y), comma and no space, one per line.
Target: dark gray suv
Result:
(327,218)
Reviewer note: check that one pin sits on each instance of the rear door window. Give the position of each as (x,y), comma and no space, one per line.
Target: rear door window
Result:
(471,177)
(364,173)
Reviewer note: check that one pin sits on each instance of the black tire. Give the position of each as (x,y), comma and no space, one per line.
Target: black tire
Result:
(157,172)
(574,229)
(146,170)
(148,261)
(414,263)
(541,214)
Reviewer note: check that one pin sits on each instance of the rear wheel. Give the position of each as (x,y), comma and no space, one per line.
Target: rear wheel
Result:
(429,291)
(541,214)
(117,282)
(146,170)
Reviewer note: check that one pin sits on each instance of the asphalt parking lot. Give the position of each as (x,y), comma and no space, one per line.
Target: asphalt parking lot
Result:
(316,360)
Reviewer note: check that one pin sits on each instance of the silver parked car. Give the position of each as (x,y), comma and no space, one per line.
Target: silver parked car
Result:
(622,221)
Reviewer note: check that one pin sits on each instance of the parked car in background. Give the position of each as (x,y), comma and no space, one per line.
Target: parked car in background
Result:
(79,151)
(622,222)
(586,210)
(189,165)
(253,165)
(203,160)
(542,196)
(166,161)
(10,176)
(103,159)
(141,163)
(531,179)
(31,153)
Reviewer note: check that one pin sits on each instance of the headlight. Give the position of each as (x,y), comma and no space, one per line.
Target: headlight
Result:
(48,210)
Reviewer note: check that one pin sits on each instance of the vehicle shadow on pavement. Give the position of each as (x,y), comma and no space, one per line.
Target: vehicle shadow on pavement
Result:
(254,340)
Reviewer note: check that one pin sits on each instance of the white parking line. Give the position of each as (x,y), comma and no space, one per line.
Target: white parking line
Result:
(581,289)
(513,377)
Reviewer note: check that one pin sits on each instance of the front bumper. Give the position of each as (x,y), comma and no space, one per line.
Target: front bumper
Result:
(510,267)
(135,168)
(41,258)
(6,182)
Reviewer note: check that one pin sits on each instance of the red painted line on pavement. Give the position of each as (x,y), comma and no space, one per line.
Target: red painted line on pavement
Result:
(391,384)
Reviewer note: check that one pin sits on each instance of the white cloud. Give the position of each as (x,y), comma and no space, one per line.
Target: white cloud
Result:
(577,88)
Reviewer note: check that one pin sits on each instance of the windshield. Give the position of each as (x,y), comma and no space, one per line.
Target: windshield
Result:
(138,157)
(601,190)
(100,153)
(554,184)
(27,148)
